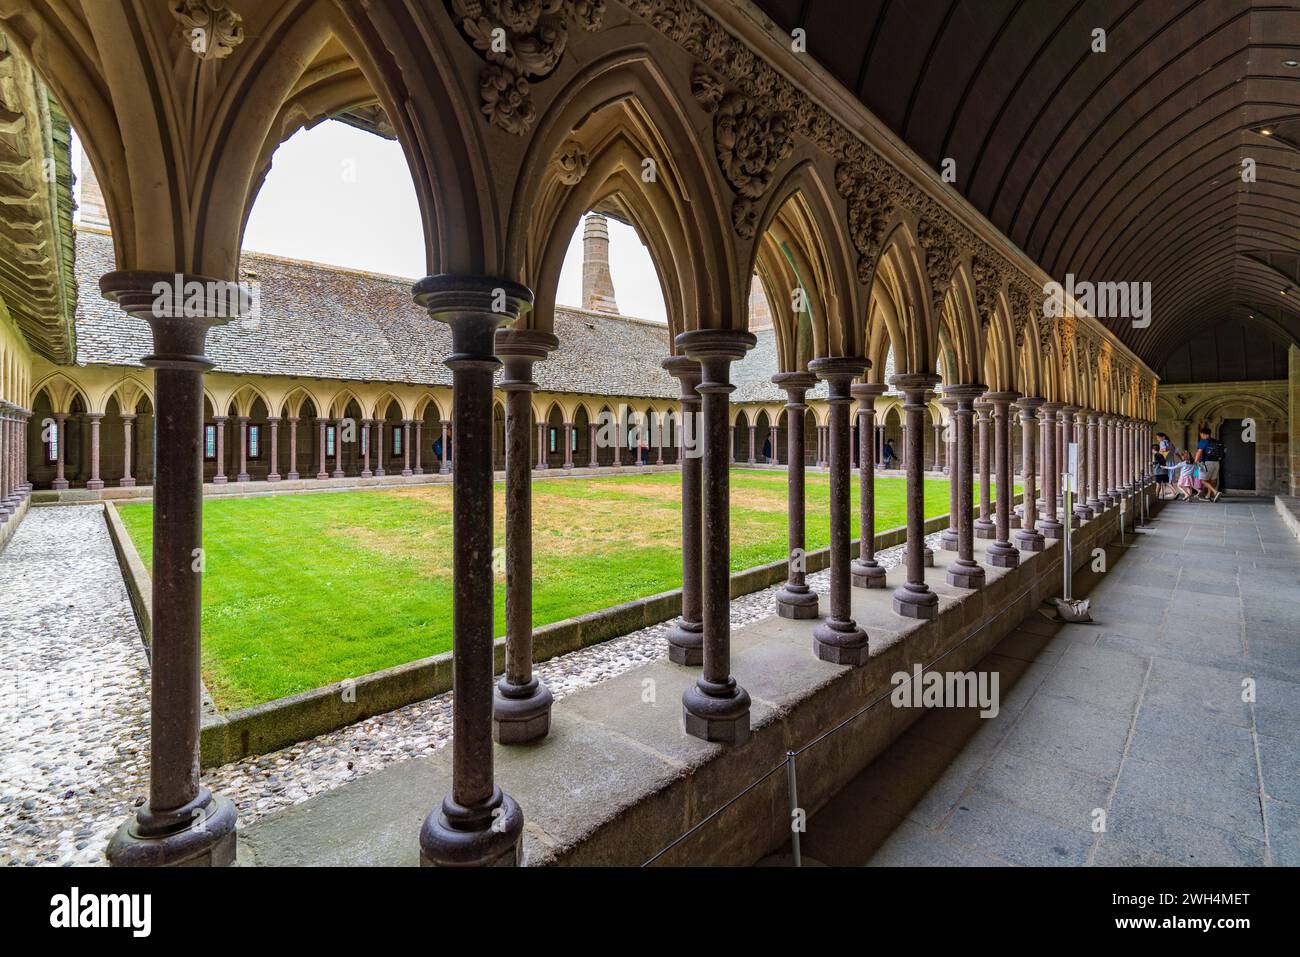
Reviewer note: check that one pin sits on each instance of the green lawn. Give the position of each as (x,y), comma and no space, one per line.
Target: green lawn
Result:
(304,590)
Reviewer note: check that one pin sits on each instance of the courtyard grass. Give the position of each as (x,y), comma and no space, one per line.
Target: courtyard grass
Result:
(304,590)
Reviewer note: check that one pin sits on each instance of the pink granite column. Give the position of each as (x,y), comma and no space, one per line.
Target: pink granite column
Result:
(444,459)
(243,449)
(1029,538)
(379,448)
(219,421)
(406,446)
(128,420)
(293,449)
(591,446)
(321,473)
(865,571)
(274,474)
(419,441)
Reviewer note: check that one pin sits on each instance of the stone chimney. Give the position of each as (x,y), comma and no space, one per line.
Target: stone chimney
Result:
(92,211)
(597,285)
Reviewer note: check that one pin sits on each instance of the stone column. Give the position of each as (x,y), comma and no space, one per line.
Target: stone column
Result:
(521,705)
(61,432)
(914,599)
(686,636)
(1001,553)
(444,459)
(1060,456)
(965,572)
(406,446)
(795,600)
(379,448)
(293,449)
(182,822)
(591,446)
(541,446)
(659,439)
(773,437)
(1072,431)
(1049,525)
(948,538)
(1095,504)
(716,708)
(321,424)
(568,446)
(865,570)
(853,440)
(8,457)
(938,446)
(477,822)
(419,443)
(94,483)
(880,443)
(838,639)
(128,420)
(1103,462)
(243,449)
(1029,538)
(338,449)
(274,474)
(753,429)
(367,441)
(984,527)
(219,421)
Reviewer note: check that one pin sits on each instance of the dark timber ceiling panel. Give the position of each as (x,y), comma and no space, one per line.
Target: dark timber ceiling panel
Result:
(1123,166)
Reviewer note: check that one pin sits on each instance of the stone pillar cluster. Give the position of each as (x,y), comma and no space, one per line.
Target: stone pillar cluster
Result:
(14,487)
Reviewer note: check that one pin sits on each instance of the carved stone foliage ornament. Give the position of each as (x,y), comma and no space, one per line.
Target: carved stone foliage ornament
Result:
(870,208)
(940,247)
(521,40)
(210,27)
(1019,300)
(571,162)
(988,280)
(749,141)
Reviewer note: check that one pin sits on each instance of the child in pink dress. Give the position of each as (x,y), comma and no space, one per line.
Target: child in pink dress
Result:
(1186,481)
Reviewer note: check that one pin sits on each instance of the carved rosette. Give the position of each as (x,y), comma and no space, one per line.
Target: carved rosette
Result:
(521,40)
(571,162)
(210,27)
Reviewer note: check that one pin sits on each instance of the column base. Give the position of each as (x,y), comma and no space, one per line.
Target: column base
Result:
(915,601)
(796,602)
(948,540)
(1029,540)
(219,480)
(444,470)
(292,477)
(985,529)
(126,483)
(1105,501)
(521,713)
(867,575)
(366,473)
(380,473)
(417,471)
(242,477)
(337,473)
(966,574)
(490,835)
(205,836)
(1003,555)
(406,473)
(1051,528)
(59,485)
(568,466)
(927,560)
(718,713)
(94,485)
(322,476)
(686,643)
(841,642)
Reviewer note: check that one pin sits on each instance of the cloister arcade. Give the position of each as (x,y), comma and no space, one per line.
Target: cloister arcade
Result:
(668,113)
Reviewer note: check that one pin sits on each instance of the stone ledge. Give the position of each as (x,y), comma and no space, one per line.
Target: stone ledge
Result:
(618,779)
(10,525)
(1289,508)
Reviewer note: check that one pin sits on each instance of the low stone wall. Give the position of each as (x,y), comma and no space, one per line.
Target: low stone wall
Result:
(10,525)
(1289,508)
(276,724)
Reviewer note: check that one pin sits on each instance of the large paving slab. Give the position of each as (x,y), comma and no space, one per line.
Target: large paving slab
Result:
(1144,721)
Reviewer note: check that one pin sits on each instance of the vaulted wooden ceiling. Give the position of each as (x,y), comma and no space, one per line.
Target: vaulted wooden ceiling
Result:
(1119,166)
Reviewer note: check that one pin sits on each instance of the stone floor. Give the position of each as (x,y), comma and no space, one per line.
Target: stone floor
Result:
(1139,717)
(74,691)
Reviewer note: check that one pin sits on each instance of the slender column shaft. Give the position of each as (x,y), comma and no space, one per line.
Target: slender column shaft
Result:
(293,448)
(1029,538)
(1001,553)
(984,527)
(716,708)
(865,570)
(686,636)
(914,599)
(379,448)
(419,443)
(838,638)
(948,538)
(94,482)
(591,446)
(1050,526)
(243,449)
(321,425)
(406,446)
(128,423)
(1094,499)
(443,457)
(541,446)
(477,823)
(274,474)
(568,445)
(965,572)
(220,422)
(366,440)
(795,600)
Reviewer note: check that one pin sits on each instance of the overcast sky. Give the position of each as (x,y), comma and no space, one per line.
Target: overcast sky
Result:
(341,196)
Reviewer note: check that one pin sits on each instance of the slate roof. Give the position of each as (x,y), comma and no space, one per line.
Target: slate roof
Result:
(325,322)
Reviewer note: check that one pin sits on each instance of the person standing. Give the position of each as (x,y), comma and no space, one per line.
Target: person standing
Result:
(1209,453)
(890,459)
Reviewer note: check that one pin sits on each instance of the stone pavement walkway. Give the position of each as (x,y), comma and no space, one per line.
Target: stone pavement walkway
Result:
(1139,717)
(74,691)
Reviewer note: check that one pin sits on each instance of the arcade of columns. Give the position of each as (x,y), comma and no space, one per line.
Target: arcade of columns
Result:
(744,160)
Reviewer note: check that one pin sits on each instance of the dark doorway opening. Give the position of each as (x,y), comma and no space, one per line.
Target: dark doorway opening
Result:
(1238,456)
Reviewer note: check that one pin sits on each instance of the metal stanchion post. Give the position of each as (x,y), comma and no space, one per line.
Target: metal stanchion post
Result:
(794,808)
